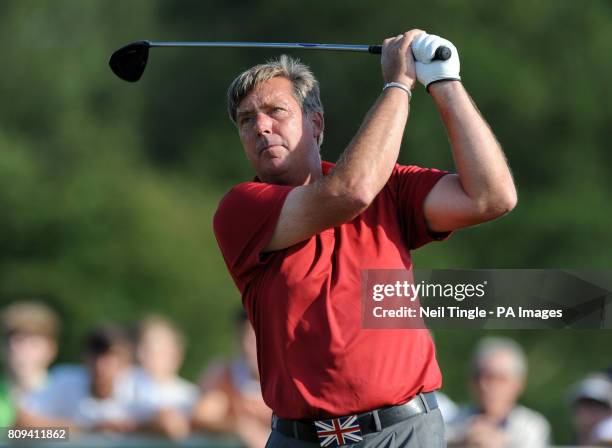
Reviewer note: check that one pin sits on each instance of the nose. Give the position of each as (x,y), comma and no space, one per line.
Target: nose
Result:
(263,124)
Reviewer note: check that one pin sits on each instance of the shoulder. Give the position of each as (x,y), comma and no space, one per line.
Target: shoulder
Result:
(241,192)
(249,197)
(525,416)
(66,386)
(603,431)
(528,426)
(243,188)
(68,375)
(185,388)
(248,191)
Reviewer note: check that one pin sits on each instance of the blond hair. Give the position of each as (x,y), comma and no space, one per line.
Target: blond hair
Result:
(30,316)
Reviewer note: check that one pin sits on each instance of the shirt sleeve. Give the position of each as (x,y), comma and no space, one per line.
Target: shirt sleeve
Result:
(243,225)
(60,396)
(411,185)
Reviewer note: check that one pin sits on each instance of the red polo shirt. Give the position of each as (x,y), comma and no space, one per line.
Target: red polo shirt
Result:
(314,358)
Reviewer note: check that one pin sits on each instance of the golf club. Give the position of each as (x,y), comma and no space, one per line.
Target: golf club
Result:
(130,61)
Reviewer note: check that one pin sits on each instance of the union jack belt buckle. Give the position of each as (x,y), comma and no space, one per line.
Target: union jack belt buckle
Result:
(338,431)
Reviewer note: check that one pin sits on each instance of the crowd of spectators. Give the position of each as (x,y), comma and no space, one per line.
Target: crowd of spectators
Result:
(496,419)
(128,382)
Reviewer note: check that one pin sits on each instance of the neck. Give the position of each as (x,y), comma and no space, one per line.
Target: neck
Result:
(101,389)
(304,175)
(306,178)
(28,380)
(497,415)
(162,377)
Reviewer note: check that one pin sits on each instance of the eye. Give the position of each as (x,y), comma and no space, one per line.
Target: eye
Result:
(244,120)
(278,110)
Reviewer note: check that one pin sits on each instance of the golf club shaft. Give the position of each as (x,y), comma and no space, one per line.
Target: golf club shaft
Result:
(307,46)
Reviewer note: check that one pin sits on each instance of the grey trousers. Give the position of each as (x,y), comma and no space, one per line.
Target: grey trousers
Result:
(421,431)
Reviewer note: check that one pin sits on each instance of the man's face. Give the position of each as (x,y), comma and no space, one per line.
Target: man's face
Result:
(589,413)
(278,138)
(160,353)
(497,385)
(106,368)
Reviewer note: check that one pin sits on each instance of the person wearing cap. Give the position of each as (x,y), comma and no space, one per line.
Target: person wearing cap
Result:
(602,433)
(29,333)
(496,420)
(591,406)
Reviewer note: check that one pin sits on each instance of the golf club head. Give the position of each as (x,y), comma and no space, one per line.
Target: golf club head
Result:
(129,62)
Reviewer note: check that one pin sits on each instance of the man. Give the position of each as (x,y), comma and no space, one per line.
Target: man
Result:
(164,399)
(297,238)
(498,421)
(591,408)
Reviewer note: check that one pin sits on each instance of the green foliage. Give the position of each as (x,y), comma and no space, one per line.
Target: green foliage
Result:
(108,188)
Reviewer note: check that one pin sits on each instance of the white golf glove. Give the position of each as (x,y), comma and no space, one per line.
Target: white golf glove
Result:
(423,48)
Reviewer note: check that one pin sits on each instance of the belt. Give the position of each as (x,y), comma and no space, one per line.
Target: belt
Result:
(369,422)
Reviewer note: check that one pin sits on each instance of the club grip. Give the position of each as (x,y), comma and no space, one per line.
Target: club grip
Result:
(442,52)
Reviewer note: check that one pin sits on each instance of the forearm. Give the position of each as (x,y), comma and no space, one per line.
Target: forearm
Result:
(168,422)
(204,422)
(480,162)
(212,412)
(27,419)
(366,164)
(252,433)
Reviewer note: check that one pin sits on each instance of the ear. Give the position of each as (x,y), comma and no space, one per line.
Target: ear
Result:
(52,350)
(520,386)
(318,124)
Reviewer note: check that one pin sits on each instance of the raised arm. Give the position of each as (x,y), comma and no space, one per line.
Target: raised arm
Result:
(365,165)
(483,188)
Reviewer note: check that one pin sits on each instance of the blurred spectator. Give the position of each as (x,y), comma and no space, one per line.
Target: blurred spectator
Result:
(448,408)
(591,406)
(29,332)
(231,400)
(163,398)
(96,398)
(496,420)
(7,409)
(602,434)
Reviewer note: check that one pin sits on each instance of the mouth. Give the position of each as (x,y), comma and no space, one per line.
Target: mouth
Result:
(268,148)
